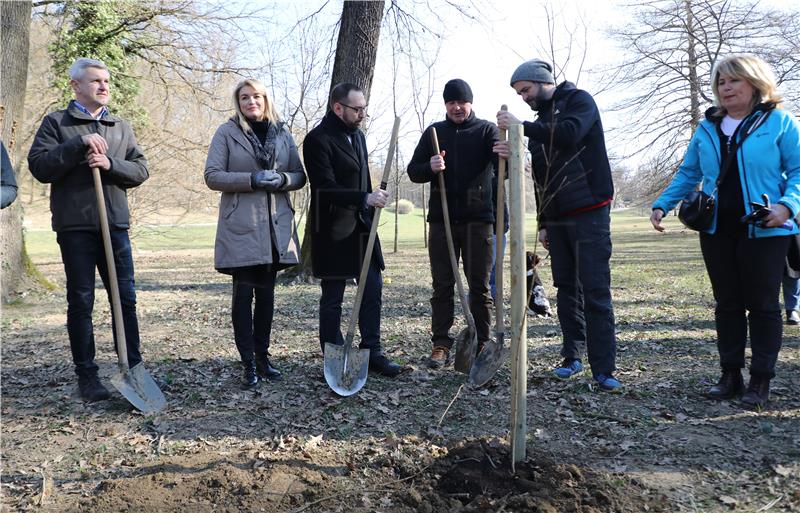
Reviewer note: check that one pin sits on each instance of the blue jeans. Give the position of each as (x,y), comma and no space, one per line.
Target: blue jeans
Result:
(580,251)
(791,293)
(369,316)
(82,252)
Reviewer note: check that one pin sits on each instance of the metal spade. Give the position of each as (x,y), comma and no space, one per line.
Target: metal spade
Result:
(345,366)
(134,383)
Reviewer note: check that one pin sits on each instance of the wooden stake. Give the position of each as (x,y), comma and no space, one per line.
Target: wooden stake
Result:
(519,318)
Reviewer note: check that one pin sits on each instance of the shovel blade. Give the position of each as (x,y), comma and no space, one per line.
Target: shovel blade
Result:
(488,361)
(345,368)
(467,346)
(140,389)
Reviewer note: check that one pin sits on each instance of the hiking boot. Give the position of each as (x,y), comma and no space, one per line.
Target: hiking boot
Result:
(608,383)
(730,385)
(792,317)
(757,393)
(91,389)
(249,376)
(569,367)
(440,356)
(265,370)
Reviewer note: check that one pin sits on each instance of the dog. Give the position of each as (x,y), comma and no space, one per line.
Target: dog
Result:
(537,301)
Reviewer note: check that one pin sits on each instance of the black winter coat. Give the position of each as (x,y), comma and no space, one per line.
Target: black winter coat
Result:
(568,154)
(58,157)
(340,219)
(470,169)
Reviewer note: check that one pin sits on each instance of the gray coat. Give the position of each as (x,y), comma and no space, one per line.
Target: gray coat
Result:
(244,237)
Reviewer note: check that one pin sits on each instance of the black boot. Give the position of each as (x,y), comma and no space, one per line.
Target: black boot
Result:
(91,389)
(249,377)
(265,368)
(730,385)
(382,365)
(757,393)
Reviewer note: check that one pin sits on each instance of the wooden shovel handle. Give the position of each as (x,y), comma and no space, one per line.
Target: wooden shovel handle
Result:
(116,304)
(373,231)
(449,234)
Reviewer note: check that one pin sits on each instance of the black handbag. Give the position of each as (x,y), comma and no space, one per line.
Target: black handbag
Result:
(697,211)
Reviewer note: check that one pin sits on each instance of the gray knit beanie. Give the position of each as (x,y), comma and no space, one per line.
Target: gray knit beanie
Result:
(534,70)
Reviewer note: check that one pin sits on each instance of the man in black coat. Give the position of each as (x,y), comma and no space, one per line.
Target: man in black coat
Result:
(342,206)
(68,144)
(573,192)
(470,171)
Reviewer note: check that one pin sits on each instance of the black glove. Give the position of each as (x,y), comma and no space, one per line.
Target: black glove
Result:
(267,179)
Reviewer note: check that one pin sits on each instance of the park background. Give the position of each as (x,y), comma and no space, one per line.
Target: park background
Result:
(398,445)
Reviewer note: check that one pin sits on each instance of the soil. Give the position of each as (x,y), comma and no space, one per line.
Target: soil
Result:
(422,442)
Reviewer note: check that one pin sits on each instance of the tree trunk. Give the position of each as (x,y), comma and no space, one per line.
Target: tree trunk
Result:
(356,53)
(15,21)
(692,64)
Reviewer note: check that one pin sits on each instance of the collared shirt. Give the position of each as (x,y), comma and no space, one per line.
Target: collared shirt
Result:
(103,112)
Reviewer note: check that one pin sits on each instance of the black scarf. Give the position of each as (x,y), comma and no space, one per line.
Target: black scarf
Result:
(265,152)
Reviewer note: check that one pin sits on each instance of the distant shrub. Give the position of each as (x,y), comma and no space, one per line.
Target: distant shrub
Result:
(403,207)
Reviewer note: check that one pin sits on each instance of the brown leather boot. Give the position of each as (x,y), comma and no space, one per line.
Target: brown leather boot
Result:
(757,393)
(730,385)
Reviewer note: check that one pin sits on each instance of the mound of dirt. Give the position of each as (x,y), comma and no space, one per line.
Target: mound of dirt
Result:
(478,474)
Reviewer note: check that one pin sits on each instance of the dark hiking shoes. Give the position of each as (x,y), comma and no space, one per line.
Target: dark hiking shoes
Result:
(265,369)
(92,389)
(730,385)
(249,375)
(757,393)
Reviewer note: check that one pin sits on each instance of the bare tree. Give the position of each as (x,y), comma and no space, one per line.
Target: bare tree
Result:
(356,53)
(15,18)
(671,47)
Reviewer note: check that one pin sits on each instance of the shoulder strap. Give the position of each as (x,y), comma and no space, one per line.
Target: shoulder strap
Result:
(746,127)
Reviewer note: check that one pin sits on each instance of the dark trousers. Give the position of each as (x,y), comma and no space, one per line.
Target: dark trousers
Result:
(252,325)
(473,244)
(369,316)
(82,252)
(746,277)
(580,250)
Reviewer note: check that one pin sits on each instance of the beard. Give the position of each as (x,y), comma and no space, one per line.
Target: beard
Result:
(538,100)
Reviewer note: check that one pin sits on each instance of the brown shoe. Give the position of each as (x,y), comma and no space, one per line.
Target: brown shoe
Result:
(757,393)
(440,356)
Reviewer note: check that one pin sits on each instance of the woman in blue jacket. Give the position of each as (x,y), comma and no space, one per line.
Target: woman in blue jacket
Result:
(744,260)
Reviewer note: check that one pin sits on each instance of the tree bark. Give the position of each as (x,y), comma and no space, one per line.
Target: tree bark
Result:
(15,21)
(356,54)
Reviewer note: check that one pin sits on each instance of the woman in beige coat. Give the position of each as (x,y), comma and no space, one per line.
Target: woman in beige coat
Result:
(253,161)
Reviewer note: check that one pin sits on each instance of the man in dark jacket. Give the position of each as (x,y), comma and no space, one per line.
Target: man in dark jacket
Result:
(342,206)
(68,144)
(469,168)
(574,192)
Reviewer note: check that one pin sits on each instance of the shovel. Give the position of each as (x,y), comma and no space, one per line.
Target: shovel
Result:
(134,383)
(345,366)
(495,353)
(467,340)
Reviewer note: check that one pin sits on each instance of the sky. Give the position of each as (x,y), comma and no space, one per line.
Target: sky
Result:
(485,52)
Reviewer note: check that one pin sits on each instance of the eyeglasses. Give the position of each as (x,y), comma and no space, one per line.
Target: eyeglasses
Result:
(358,110)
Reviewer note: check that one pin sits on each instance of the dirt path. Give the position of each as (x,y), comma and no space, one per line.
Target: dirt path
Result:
(295,446)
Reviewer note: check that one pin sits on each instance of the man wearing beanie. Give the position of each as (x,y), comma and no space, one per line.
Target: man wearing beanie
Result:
(469,168)
(574,192)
